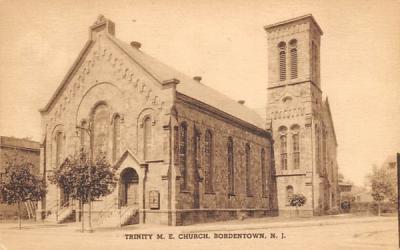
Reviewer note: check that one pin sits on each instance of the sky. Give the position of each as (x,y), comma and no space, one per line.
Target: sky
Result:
(225,43)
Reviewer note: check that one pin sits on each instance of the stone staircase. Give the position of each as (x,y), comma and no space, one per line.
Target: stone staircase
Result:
(119,217)
(59,214)
(105,213)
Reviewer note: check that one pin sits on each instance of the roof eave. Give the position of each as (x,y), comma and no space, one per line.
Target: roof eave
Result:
(328,108)
(67,76)
(212,109)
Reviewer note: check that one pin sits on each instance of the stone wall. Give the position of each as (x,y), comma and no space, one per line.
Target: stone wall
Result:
(106,75)
(297,102)
(219,205)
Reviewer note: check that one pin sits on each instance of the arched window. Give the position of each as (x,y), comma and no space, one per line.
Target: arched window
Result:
(183,155)
(100,131)
(208,170)
(314,62)
(293,59)
(263,173)
(282,61)
(283,147)
(147,136)
(289,194)
(248,174)
(197,151)
(176,145)
(116,136)
(296,146)
(283,139)
(231,170)
(59,148)
(296,151)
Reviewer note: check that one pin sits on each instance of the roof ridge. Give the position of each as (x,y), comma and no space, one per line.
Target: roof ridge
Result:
(189,86)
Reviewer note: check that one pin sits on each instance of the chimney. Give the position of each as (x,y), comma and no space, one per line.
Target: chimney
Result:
(241,102)
(136,44)
(102,25)
(197,78)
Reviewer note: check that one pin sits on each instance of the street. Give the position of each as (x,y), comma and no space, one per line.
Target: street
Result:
(375,234)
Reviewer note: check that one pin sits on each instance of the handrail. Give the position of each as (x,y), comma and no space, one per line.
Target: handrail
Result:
(126,213)
(107,209)
(52,205)
(63,213)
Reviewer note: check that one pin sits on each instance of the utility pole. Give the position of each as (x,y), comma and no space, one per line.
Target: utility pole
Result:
(398,195)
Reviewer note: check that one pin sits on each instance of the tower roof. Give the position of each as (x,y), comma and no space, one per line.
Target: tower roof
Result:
(296,19)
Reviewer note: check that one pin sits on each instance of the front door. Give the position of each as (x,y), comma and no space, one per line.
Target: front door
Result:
(129,182)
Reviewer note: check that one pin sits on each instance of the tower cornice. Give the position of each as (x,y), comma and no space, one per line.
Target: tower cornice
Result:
(293,20)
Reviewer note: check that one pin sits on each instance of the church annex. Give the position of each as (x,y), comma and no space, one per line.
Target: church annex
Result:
(186,153)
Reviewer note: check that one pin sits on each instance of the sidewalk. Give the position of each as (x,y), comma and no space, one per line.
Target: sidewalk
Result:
(251,224)
(247,224)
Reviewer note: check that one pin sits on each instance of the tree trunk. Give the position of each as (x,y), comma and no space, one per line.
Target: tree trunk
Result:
(297,211)
(379,208)
(83,216)
(19,214)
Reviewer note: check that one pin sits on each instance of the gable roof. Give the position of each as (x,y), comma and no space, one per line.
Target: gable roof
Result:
(165,74)
(190,87)
(328,109)
(69,74)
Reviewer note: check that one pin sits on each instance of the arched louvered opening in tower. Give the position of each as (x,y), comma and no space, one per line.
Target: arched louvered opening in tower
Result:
(293,59)
(282,61)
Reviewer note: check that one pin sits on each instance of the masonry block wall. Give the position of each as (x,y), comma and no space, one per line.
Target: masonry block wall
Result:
(105,75)
(305,142)
(219,205)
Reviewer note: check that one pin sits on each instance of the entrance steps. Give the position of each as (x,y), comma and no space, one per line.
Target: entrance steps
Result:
(119,217)
(61,215)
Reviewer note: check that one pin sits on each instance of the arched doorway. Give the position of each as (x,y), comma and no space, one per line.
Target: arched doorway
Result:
(128,183)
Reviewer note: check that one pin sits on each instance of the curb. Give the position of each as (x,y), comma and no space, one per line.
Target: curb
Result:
(287,225)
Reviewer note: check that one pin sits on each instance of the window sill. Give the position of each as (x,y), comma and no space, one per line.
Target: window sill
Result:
(185,191)
(212,193)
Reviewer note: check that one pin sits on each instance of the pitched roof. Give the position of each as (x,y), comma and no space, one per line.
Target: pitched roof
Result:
(328,109)
(189,87)
(165,74)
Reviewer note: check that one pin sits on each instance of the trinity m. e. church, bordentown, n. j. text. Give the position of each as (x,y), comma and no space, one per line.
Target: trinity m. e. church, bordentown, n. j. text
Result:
(186,153)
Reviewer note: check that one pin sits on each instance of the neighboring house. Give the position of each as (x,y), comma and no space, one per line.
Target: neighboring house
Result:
(26,149)
(345,191)
(362,195)
(186,153)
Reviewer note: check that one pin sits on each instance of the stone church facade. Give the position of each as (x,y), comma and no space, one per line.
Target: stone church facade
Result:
(184,152)
(300,118)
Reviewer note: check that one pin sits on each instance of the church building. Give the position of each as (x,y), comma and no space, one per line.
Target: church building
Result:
(186,153)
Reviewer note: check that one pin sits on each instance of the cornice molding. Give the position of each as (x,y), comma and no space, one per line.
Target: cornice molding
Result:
(203,107)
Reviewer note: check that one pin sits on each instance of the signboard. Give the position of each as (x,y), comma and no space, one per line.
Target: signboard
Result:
(154,199)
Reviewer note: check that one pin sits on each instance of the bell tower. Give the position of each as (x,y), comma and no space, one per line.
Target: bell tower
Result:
(294,107)
(293,52)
